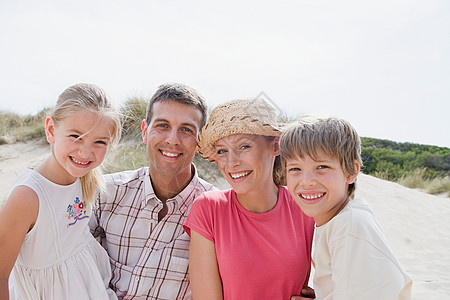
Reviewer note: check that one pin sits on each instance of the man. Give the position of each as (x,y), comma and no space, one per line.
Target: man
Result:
(139,219)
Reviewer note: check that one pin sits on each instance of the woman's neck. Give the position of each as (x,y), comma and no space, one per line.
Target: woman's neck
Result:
(259,200)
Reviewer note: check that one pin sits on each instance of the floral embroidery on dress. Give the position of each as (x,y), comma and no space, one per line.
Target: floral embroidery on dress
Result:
(76,211)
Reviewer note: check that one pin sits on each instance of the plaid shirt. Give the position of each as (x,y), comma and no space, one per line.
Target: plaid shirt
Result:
(149,259)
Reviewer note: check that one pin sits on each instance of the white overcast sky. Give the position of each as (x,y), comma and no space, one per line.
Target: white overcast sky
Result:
(383,65)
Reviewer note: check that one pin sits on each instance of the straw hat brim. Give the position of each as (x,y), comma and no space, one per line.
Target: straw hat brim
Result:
(214,131)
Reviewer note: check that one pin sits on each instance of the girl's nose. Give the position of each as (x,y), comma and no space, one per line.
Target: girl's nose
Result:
(84,151)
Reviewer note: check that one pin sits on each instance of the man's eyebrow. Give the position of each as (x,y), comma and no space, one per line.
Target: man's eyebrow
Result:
(193,125)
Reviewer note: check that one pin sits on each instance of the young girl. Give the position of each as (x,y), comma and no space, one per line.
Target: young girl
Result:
(46,245)
(252,241)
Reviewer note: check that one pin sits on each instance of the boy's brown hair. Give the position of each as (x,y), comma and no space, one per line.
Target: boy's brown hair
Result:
(333,136)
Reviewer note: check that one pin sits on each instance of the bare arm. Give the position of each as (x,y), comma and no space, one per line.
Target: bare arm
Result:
(16,218)
(203,269)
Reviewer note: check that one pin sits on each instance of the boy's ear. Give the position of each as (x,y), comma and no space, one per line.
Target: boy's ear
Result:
(50,130)
(351,178)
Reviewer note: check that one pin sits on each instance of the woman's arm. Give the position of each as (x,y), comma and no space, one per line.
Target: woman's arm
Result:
(203,269)
(16,218)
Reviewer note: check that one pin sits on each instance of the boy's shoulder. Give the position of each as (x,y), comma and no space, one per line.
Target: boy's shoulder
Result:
(355,219)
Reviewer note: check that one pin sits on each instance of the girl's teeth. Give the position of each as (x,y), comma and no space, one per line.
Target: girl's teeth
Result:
(79,162)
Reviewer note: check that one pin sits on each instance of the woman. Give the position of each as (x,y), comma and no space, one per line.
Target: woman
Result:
(251,241)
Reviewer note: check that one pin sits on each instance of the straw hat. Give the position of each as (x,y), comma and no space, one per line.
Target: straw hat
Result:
(253,116)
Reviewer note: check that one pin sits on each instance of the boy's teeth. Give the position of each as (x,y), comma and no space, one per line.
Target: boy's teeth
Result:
(169,154)
(312,196)
(239,175)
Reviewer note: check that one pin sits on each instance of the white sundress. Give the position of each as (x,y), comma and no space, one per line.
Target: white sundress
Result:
(59,258)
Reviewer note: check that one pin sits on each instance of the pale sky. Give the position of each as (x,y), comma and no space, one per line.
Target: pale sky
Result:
(383,65)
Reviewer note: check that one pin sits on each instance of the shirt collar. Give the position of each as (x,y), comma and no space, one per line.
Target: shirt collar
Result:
(184,198)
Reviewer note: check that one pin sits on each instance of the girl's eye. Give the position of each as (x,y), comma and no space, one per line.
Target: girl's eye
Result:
(323,167)
(75,136)
(102,143)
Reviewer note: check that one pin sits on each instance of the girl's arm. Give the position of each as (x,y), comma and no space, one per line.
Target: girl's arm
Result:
(16,218)
(203,269)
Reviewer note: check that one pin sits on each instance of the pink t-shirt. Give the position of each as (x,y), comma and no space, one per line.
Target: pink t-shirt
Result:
(260,256)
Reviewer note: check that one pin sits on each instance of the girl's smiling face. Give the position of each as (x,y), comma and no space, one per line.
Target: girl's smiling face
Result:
(318,186)
(80,142)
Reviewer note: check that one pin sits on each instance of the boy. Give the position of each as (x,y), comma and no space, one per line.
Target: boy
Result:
(353,260)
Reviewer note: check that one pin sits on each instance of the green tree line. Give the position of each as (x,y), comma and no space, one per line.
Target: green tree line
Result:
(392,160)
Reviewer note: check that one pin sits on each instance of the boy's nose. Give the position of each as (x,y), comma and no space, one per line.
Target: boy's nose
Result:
(307,179)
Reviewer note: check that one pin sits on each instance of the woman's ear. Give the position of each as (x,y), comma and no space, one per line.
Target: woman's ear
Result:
(50,129)
(276,145)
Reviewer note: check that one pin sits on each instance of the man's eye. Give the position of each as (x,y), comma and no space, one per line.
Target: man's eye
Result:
(221,151)
(188,130)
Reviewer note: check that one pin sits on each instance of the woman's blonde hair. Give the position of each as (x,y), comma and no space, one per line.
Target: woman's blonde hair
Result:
(333,136)
(86,96)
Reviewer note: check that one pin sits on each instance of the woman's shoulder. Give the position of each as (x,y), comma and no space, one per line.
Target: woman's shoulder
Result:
(218,197)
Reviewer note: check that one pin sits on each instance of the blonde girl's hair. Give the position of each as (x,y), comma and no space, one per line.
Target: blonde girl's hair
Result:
(86,96)
(333,136)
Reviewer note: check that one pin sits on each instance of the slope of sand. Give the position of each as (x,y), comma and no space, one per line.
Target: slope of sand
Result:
(415,223)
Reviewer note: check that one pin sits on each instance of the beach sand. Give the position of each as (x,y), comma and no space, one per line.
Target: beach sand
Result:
(415,223)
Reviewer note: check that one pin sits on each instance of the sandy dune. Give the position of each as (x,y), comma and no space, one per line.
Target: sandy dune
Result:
(415,223)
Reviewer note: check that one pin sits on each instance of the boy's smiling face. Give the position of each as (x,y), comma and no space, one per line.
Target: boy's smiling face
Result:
(318,186)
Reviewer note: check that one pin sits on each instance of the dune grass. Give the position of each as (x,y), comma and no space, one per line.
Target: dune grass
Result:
(417,180)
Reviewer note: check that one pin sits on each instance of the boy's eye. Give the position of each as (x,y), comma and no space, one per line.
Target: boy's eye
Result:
(323,167)
(294,169)
(102,143)
(75,136)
